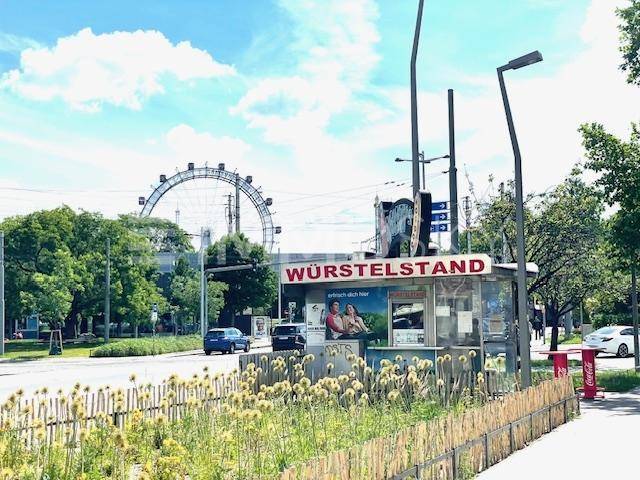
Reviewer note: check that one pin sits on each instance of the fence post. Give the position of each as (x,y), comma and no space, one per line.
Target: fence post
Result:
(486,451)
(531,427)
(566,415)
(512,441)
(454,463)
(550,419)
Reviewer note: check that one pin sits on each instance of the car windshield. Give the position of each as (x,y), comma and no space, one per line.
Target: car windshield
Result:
(215,334)
(605,331)
(285,330)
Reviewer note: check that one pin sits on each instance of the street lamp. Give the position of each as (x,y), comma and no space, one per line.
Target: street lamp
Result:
(423,161)
(525,354)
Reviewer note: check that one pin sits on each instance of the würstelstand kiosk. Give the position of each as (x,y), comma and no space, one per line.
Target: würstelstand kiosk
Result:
(415,306)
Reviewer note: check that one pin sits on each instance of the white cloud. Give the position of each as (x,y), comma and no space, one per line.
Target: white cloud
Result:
(335,41)
(191,146)
(120,68)
(14,43)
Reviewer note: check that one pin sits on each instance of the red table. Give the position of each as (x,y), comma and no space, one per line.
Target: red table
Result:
(560,361)
(590,389)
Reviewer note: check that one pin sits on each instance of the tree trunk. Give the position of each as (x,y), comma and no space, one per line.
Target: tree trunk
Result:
(135,331)
(226,317)
(552,321)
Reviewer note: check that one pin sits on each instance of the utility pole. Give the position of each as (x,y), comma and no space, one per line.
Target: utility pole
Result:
(467,215)
(414,105)
(1,293)
(229,215)
(107,293)
(634,314)
(279,285)
(453,179)
(505,250)
(202,285)
(237,203)
(177,215)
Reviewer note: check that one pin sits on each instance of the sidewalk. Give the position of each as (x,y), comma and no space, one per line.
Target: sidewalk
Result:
(601,443)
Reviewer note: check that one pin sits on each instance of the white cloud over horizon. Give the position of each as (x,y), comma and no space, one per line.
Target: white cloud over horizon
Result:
(120,68)
(319,196)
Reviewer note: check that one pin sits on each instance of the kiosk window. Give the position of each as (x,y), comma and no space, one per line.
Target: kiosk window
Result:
(407,322)
(456,318)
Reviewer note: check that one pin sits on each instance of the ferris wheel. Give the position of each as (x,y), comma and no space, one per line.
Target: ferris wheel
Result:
(213,198)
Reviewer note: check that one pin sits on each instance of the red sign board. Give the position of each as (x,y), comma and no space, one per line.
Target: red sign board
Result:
(386,268)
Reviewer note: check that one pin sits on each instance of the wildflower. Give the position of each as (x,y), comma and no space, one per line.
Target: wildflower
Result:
(329,366)
(447,358)
(364,399)
(439,360)
(393,395)
(500,360)
(462,358)
(481,380)
(351,357)
(350,393)
(343,378)
(415,359)
(119,439)
(472,353)
(398,358)
(440,382)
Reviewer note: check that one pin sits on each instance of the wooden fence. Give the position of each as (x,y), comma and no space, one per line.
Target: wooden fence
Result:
(453,446)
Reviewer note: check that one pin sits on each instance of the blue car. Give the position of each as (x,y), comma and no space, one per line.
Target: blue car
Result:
(225,340)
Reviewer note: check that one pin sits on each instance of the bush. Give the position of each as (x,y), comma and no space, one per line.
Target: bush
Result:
(603,319)
(136,347)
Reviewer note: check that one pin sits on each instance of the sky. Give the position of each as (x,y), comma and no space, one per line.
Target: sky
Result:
(309,97)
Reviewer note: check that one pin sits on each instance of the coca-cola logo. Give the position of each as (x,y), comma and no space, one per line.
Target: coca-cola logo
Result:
(589,374)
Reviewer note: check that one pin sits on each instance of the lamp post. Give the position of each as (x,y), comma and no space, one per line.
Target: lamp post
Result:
(414,103)
(423,161)
(523,322)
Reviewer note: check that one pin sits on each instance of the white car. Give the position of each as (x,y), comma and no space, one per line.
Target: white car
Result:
(615,339)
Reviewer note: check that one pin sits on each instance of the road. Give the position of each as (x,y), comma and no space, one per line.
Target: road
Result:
(96,372)
(603,362)
(600,444)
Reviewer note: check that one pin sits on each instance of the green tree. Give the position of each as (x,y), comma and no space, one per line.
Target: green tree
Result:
(55,262)
(256,287)
(164,235)
(630,40)
(563,234)
(185,296)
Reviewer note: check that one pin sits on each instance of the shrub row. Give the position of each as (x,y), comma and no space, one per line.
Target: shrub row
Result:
(136,347)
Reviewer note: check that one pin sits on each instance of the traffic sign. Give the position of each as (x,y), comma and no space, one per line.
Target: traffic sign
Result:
(439,216)
(436,206)
(440,227)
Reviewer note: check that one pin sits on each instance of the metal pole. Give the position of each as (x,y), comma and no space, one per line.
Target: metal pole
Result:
(1,293)
(237,203)
(634,314)
(467,214)
(424,183)
(414,104)
(202,284)
(229,215)
(107,293)
(453,179)
(279,285)
(523,321)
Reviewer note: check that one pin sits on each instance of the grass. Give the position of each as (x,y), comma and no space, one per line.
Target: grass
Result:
(136,347)
(34,350)
(612,380)
(572,340)
(549,363)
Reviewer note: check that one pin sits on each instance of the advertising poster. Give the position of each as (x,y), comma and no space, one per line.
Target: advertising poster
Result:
(356,314)
(260,326)
(315,323)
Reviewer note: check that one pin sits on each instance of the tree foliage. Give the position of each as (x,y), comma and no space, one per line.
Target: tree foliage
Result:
(630,40)
(255,287)
(55,266)
(563,234)
(164,235)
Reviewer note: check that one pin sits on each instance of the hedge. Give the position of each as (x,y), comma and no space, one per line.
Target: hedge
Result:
(136,347)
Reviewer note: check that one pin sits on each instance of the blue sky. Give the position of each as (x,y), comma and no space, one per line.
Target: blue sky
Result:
(310,97)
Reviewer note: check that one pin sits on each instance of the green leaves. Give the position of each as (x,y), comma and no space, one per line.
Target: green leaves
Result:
(630,40)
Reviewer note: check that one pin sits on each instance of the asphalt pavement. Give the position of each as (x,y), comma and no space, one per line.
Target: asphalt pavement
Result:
(63,373)
(601,443)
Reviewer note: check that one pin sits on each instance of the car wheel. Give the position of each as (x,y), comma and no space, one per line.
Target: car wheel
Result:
(207,352)
(232,348)
(247,347)
(623,350)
